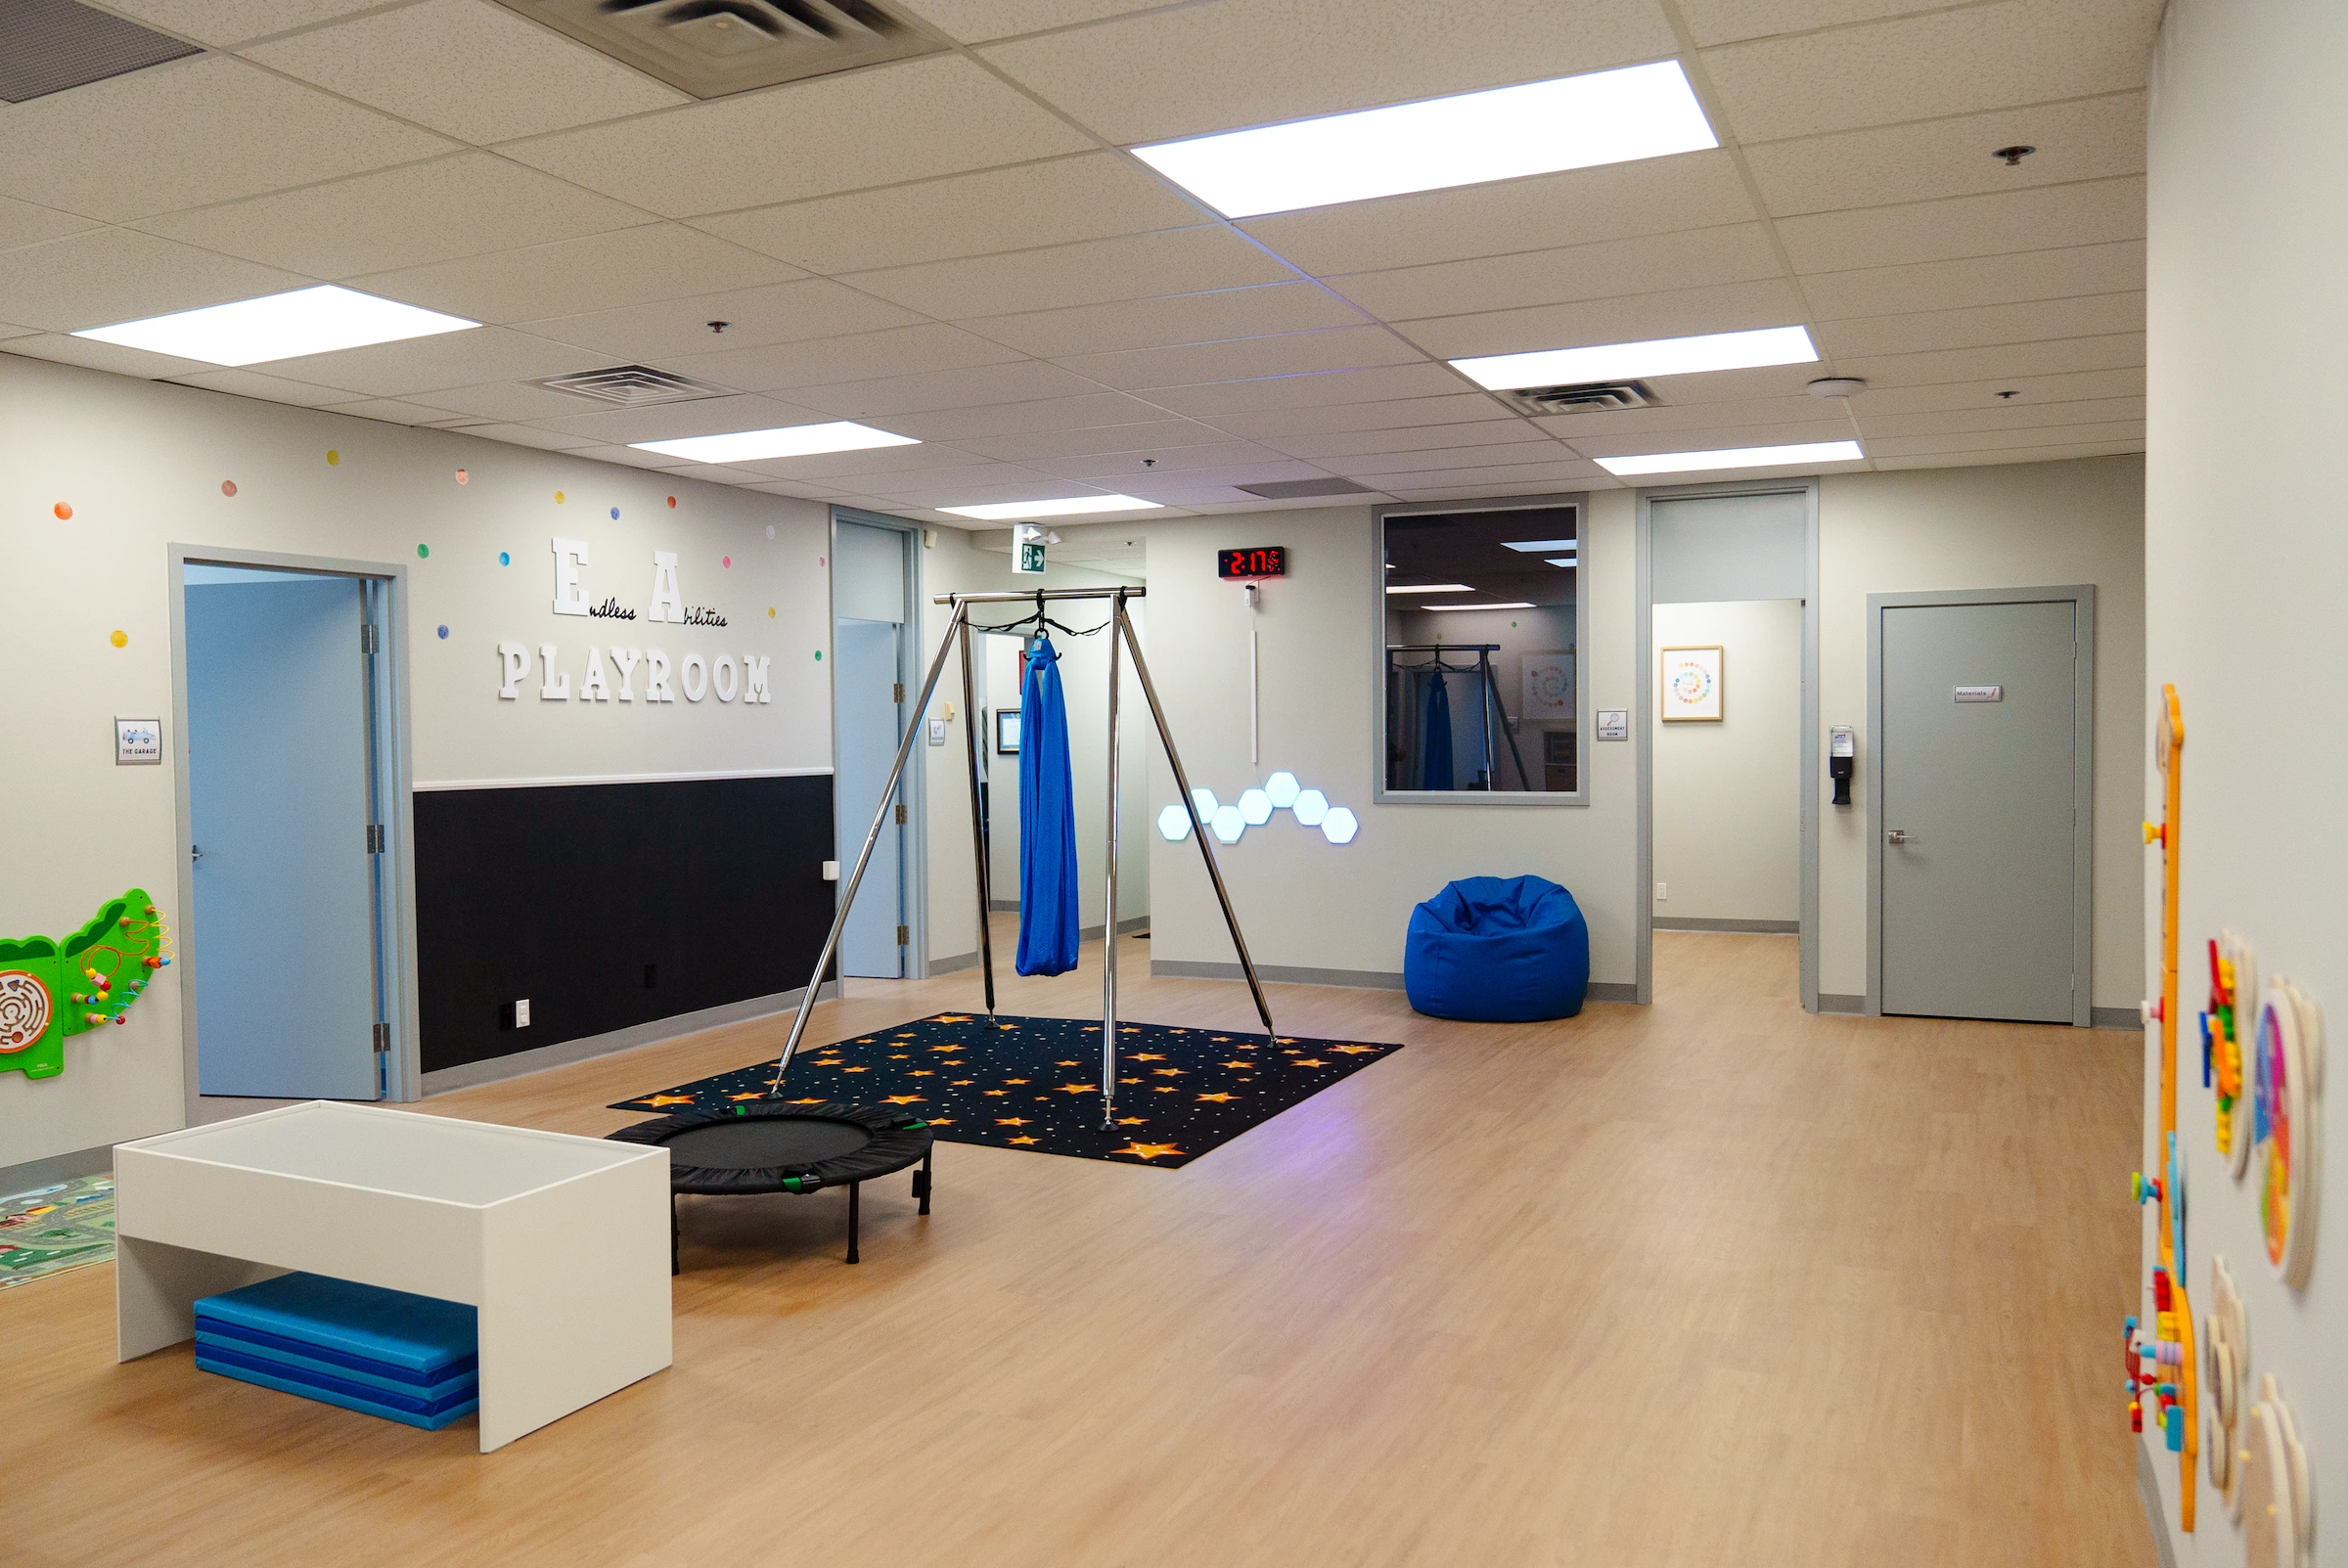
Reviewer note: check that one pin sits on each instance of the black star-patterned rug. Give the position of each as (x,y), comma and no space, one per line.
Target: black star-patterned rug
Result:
(1035,1083)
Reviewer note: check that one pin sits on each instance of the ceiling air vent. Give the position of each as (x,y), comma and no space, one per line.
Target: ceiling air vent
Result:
(1584,397)
(55,44)
(711,48)
(633,386)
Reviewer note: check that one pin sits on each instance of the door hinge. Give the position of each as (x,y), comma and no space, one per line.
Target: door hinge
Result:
(904,935)
(367,639)
(902,819)
(374,838)
(383,1037)
(899,691)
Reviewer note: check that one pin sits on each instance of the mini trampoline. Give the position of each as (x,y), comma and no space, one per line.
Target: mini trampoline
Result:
(763,1147)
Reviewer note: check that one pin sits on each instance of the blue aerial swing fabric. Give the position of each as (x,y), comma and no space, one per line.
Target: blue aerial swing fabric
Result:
(1434,737)
(1049,919)
(1498,949)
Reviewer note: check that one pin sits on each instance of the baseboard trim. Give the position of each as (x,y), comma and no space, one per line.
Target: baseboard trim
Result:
(1612,991)
(2128,1018)
(521,1063)
(953,966)
(1004,906)
(1281,974)
(1840,1001)
(54,1168)
(2148,1482)
(1697,922)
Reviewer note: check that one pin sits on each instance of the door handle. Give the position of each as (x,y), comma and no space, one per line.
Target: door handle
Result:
(195,852)
(1898,836)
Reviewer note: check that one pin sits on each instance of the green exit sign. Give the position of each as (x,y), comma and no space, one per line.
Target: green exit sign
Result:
(1031,557)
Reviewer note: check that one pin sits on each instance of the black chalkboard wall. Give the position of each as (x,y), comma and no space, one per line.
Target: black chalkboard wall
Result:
(611,904)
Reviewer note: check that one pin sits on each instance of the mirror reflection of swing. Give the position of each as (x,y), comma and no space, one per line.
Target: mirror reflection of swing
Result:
(1480,677)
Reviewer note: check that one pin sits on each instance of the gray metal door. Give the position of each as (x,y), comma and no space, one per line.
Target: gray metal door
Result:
(1980,841)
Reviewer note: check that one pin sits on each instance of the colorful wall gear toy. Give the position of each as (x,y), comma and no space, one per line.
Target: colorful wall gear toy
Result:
(2287,1058)
(2232,1006)
(50,990)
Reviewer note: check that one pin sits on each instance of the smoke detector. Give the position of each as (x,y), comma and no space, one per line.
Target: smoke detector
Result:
(1583,397)
(713,48)
(1836,386)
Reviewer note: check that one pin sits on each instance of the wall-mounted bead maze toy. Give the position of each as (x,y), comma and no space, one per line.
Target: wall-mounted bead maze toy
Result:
(50,990)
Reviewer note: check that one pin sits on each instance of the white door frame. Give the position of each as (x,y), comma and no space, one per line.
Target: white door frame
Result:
(1644,722)
(393,783)
(2081,596)
(913,655)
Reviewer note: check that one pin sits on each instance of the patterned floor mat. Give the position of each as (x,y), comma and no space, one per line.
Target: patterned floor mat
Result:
(53,1229)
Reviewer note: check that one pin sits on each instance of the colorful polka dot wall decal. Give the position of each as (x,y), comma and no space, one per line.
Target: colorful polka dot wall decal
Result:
(505,558)
(672,501)
(615,514)
(445,634)
(770,612)
(558,498)
(423,550)
(769,530)
(333,458)
(463,477)
(228,488)
(120,639)
(819,652)
(64,513)
(726,561)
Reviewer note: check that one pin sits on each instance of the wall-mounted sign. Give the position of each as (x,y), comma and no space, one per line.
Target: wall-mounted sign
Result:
(1257,561)
(1613,724)
(138,742)
(1980,694)
(695,675)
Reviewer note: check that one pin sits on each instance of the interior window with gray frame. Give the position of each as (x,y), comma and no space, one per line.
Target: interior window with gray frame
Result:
(1482,685)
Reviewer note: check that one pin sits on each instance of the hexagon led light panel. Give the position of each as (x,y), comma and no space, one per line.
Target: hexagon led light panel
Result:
(1174,825)
(1339,826)
(1229,825)
(1255,806)
(1205,800)
(1282,790)
(1312,808)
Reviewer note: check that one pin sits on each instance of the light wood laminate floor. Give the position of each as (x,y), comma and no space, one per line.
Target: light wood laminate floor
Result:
(1708,1283)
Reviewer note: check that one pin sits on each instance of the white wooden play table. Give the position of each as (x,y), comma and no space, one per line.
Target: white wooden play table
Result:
(560,1242)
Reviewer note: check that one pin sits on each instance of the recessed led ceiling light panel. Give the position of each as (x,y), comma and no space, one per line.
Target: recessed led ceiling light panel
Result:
(1659,356)
(1061,507)
(1513,603)
(786,441)
(253,332)
(1575,123)
(1535,546)
(1742,457)
(1430,587)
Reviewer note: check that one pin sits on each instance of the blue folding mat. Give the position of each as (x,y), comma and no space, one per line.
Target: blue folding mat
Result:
(1050,924)
(405,1358)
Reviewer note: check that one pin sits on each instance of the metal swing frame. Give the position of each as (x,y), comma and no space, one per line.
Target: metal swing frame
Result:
(1121,639)
(1488,696)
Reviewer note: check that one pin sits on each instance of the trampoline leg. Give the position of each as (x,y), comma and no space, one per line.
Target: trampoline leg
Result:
(921,1183)
(673,1235)
(854,1189)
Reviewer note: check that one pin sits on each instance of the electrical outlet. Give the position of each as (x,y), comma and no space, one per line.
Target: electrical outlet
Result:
(516,1015)
(1663,893)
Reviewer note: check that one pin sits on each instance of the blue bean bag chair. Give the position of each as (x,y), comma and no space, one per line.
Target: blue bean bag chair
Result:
(1498,949)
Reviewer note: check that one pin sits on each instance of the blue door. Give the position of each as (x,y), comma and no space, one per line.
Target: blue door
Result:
(283,943)
(868,712)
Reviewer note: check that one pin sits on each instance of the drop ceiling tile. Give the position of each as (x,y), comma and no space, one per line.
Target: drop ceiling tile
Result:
(478,72)
(1017,382)
(1796,409)
(627,457)
(21,224)
(103,276)
(1083,412)
(2076,386)
(775,313)
(205,129)
(2098,213)
(1224,313)
(1739,253)
(2058,435)
(423,365)
(2003,455)
(826,361)
(895,462)
(1337,446)
(1953,62)
(1454,407)
(2089,139)
(2119,351)
(1044,487)
(1566,469)
(1765,383)
(1336,348)
(1514,455)
(568,277)
(1217,398)
(1094,196)
(1976,281)
(667,421)
(1140,267)
(1720,21)
(1187,70)
(530,435)
(514,402)
(974,478)
(1598,479)
(2001,417)
(1827,426)
(268,388)
(1126,467)
(1545,212)
(1676,313)
(1139,436)
(394,411)
(1155,487)
(402,218)
(95,356)
(903,121)
(224,23)
(976,20)
(1872,336)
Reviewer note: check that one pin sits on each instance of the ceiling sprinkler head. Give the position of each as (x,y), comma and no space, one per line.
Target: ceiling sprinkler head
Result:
(2008,396)
(719,326)
(1149,463)
(1836,386)
(2013,155)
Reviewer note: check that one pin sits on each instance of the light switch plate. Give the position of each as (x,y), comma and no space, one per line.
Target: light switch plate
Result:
(138,742)
(521,1014)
